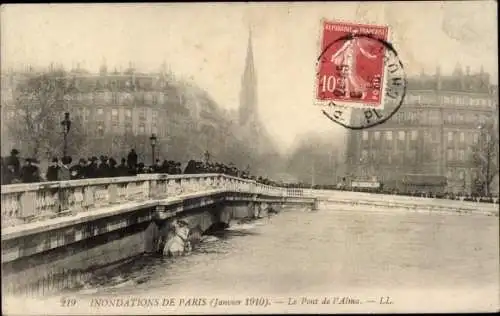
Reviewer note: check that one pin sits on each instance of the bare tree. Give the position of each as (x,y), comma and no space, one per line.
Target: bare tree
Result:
(38,110)
(313,159)
(485,157)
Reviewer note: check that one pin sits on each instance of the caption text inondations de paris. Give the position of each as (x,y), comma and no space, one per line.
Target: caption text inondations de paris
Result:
(166,302)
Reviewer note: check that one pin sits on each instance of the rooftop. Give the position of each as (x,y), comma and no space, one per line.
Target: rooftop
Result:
(459,81)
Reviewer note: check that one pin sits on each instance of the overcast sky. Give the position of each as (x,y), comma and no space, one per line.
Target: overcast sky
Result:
(207,43)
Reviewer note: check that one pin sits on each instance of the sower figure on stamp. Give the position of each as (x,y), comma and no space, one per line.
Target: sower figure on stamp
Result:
(352,85)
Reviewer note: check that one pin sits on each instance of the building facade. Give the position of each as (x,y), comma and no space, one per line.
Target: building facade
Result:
(119,110)
(435,132)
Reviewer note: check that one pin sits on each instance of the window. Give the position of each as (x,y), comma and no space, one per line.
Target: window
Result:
(100,111)
(414,135)
(364,155)
(399,117)
(100,131)
(462,137)
(450,136)
(476,138)
(461,174)
(128,114)
(449,174)
(376,135)
(106,96)
(365,135)
(413,117)
(127,97)
(114,114)
(434,153)
(114,97)
(128,128)
(388,135)
(449,118)
(450,154)
(155,99)
(434,135)
(466,100)
(461,155)
(424,116)
(474,174)
(401,135)
(142,129)
(154,129)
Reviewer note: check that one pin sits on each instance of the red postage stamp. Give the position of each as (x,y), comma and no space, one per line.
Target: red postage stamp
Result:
(350,69)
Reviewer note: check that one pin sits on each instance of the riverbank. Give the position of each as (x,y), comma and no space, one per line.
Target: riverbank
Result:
(369,201)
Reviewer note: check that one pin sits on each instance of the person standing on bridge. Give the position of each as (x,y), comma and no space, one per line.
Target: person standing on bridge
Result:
(30,172)
(63,172)
(53,170)
(122,169)
(13,161)
(132,159)
(78,171)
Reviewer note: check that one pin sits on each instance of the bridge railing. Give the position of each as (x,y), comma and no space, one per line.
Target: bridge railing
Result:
(23,203)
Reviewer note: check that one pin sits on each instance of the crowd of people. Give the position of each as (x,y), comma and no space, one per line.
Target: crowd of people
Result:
(469,197)
(104,167)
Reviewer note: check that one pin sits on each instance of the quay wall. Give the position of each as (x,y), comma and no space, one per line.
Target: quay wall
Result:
(63,256)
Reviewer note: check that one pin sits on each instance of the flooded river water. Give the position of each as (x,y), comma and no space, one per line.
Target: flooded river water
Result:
(301,252)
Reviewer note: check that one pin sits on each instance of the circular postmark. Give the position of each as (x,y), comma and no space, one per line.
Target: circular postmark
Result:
(365,81)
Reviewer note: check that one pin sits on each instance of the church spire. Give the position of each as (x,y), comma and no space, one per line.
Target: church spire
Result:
(248,95)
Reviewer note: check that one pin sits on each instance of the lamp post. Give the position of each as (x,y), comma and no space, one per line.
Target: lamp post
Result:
(66,125)
(153,145)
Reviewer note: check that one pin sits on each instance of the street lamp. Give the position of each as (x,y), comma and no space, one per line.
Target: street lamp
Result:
(66,125)
(153,145)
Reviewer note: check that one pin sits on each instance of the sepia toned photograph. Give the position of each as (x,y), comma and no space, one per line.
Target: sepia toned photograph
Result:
(249,158)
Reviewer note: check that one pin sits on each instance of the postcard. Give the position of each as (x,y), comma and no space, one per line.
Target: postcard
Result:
(249,158)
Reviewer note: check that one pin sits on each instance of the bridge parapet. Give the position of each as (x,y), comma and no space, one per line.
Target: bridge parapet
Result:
(22,203)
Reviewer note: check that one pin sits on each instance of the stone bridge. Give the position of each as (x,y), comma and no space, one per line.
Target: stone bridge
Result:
(54,234)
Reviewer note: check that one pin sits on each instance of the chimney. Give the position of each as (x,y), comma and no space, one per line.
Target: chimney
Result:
(438,77)
(132,79)
(457,72)
(163,68)
(103,69)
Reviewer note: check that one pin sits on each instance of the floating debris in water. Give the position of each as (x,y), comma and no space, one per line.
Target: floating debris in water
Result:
(209,238)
